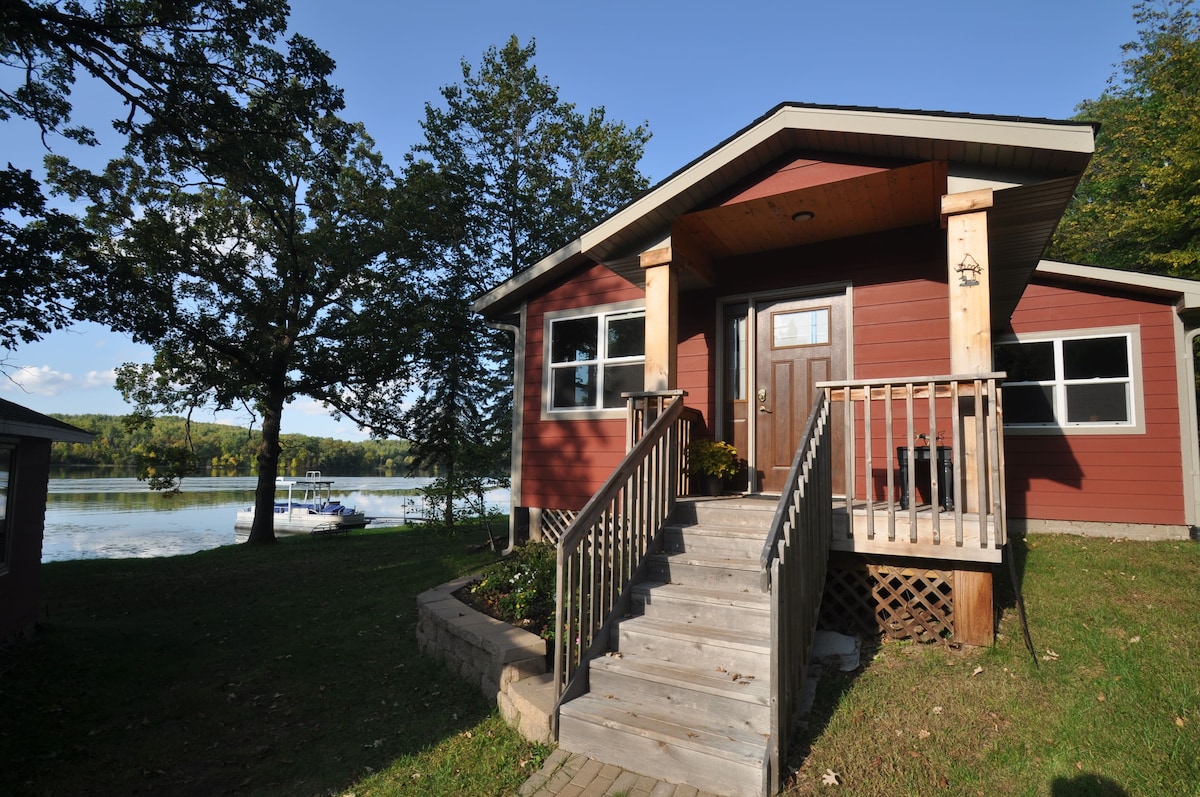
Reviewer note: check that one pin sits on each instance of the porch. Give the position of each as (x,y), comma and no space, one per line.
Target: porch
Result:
(656,587)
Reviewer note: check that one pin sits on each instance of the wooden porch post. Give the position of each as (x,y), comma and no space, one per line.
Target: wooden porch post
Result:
(969,277)
(662,319)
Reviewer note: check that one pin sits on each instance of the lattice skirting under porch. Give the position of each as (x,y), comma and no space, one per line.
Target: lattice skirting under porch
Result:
(878,596)
(555,523)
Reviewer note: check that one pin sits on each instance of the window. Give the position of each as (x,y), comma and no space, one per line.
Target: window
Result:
(1070,381)
(595,358)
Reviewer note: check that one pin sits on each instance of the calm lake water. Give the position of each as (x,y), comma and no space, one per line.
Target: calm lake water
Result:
(112,517)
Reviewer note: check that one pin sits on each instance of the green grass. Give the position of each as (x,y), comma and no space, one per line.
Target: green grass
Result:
(290,669)
(293,670)
(1112,708)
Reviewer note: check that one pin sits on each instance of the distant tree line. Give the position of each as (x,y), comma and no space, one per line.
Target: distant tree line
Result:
(221,447)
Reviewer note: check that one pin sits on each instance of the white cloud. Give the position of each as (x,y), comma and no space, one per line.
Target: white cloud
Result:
(38,380)
(101,378)
(307,406)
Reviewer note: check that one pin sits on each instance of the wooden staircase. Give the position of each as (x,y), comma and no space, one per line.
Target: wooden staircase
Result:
(684,693)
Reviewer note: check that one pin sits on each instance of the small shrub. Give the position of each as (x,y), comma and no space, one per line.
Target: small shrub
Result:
(521,588)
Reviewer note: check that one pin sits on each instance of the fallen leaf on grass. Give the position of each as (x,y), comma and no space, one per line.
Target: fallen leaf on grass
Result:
(1180,721)
(830,778)
(1050,655)
(1100,698)
(923,734)
(976,671)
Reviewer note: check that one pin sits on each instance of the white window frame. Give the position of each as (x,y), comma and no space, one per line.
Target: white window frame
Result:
(602,313)
(1136,423)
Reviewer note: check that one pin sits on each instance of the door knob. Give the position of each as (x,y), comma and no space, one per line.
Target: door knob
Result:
(762,395)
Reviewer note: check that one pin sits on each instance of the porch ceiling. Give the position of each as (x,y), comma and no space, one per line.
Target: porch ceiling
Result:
(884,200)
(1020,224)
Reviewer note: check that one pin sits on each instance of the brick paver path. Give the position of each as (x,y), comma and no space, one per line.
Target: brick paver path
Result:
(572,775)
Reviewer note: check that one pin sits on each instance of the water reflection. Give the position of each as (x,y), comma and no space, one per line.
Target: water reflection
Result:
(116,516)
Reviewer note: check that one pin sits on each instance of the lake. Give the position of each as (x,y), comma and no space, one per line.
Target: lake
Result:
(91,516)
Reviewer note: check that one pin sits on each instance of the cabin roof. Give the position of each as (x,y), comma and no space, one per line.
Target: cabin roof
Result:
(1042,160)
(18,421)
(1184,292)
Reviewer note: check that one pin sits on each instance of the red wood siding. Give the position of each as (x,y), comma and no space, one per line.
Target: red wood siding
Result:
(1122,478)
(698,355)
(564,461)
(796,174)
(901,318)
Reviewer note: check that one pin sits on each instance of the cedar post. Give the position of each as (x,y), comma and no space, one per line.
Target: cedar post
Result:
(969,278)
(662,319)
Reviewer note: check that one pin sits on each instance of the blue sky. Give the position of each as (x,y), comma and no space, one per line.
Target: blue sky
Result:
(694,72)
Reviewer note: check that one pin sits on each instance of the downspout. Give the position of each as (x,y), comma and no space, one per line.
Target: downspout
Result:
(1190,435)
(514,476)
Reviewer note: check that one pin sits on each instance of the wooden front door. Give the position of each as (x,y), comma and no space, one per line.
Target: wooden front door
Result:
(799,342)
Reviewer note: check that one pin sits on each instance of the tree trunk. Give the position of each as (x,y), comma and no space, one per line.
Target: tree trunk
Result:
(448,509)
(262,531)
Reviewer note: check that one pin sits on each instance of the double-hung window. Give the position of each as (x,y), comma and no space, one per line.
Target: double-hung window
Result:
(1071,381)
(593,357)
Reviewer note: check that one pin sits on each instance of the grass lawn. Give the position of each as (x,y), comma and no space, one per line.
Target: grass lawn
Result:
(285,670)
(1112,707)
(293,670)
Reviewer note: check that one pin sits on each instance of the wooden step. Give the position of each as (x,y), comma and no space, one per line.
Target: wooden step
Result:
(748,610)
(676,746)
(707,647)
(740,511)
(730,573)
(721,699)
(743,541)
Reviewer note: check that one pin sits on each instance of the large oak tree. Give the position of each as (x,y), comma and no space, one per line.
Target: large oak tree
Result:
(146,53)
(251,240)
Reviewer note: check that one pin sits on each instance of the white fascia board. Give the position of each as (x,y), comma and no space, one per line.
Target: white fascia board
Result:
(1187,290)
(1062,137)
(535,271)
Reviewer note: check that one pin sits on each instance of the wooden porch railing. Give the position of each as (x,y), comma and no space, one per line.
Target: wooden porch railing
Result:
(890,426)
(599,555)
(794,561)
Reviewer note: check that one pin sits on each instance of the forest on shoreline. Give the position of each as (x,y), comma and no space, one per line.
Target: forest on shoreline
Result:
(220,447)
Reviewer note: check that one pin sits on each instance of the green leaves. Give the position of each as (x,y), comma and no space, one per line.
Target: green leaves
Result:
(1138,205)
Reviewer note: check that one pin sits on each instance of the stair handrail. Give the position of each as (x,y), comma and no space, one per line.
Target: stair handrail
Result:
(614,530)
(794,561)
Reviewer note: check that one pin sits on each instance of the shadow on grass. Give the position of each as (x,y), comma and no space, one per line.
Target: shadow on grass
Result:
(832,685)
(1086,786)
(285,669)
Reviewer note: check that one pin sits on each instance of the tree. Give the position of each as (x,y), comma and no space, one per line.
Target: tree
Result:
(251,238)
(1138,204)
(527,172)
(148,53)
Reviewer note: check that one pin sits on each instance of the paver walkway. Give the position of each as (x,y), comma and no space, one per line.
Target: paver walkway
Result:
(573,775)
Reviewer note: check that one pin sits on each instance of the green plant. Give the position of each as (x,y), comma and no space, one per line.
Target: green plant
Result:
(712,458)
(521,587)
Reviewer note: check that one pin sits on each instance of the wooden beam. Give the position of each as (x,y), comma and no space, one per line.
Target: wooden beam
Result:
(662,323)
(974,618)
(969,278)
(656,257)
(966,202)
(969,281)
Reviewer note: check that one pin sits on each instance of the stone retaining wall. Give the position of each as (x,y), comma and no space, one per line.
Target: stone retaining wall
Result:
(485,651)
